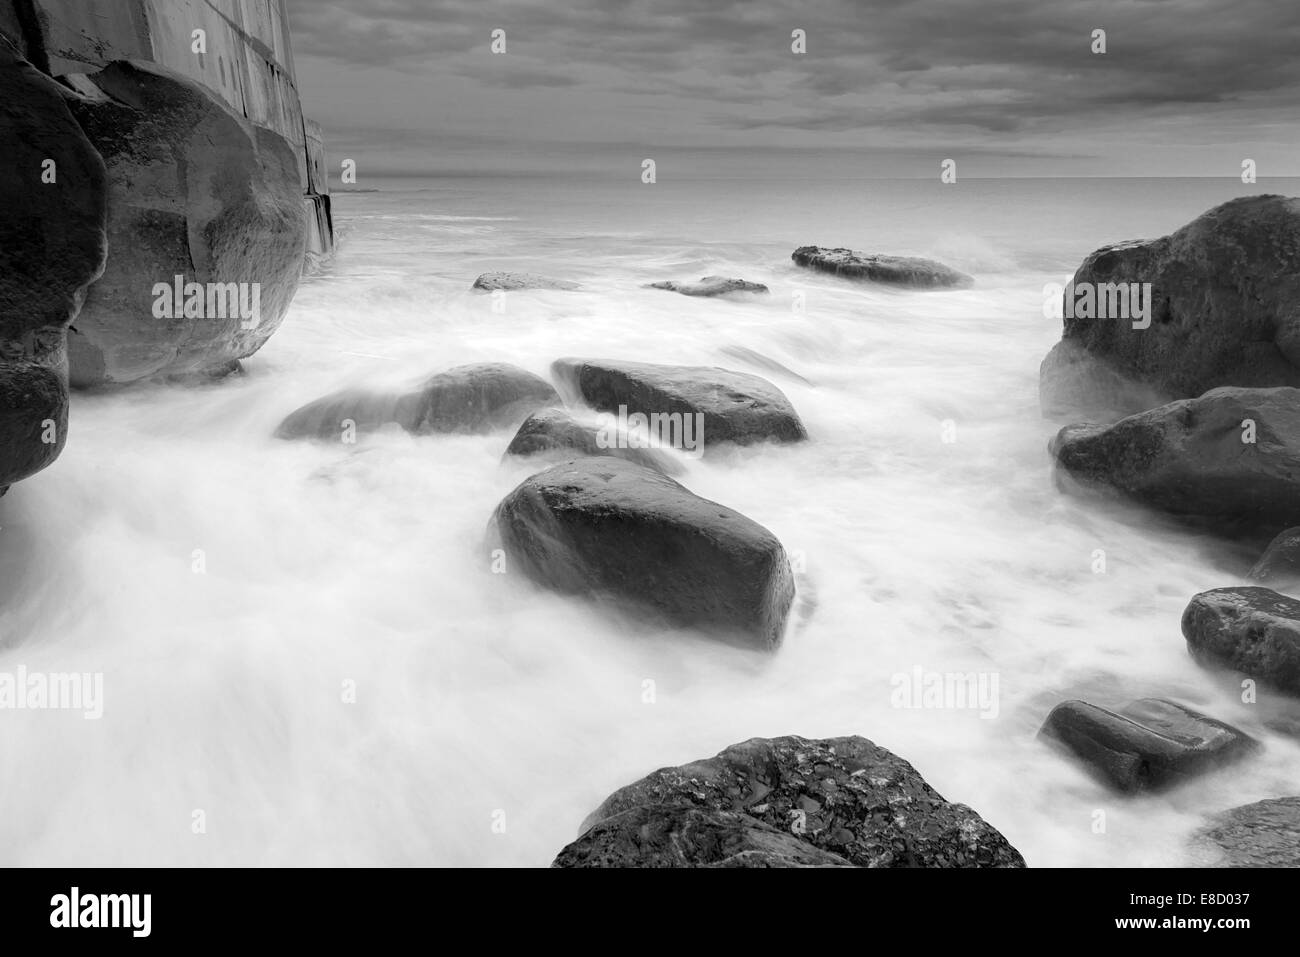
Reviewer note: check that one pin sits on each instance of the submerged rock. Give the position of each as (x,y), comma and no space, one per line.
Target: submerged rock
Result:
(194,191)
(52,246)
(556,433)
(732,406)
(1279,566)
(1251,630)
(845,797)
(474,398)
(1151,744)
(895,270)
(519,280)
(709,286)
(1230,457)
(1263,834)
(616,531)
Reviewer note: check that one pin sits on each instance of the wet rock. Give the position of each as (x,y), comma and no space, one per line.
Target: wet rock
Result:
(476,398)
(194,191)
(732,406)
(1251,630)
(845,797)
(1150,745)
(710,286)
(52,246)
(1263,834)
(555,433)
(510,281)
(615,531)
(1279,566)
(1230,457)
(907,271)
(1073,382)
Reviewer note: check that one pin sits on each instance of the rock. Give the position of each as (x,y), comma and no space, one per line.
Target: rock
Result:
(52,246)
(1251,630)
(519,280)
(710,286)
(896,270)
(555,432)
(845,797)
(733,406)
(1073,382)
(194,191)
(1150,745)
(617,531)
(467,399)
(1225,295)
(1263,834)
(1279,566)
(1189,458)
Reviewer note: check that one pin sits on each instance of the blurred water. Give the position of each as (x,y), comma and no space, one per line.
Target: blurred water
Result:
(480,700)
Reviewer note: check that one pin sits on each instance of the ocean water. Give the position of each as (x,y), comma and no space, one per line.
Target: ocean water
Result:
(490,717)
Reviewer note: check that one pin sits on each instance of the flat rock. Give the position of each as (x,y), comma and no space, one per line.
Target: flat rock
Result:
(553,433)
(710,286)
(1279,566)
(616,531)
(736,406)
(1251,630)
(1150,745)
(845,797)
(910,271)
(1263,834)
(510,281)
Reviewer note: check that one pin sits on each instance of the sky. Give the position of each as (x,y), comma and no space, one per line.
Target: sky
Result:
(884,88)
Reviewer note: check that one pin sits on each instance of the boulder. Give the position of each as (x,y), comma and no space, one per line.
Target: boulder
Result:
(1150,745)
(845,797)
(1279,566)
(194,191)
(472,399)
(510,281)
(1263,834)
(907,271)
(1231,457)
(1072,382)
(52,246)
(710,286)
(616,531)
(726,406)
(1251,630)
(556,433)
(1225,301)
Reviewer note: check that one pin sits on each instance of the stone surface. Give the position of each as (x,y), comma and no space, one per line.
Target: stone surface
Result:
(555,433)
(519,280)
(1252,630)
(1279,566)
(1189,458)
(710,286)
(846,797)
(1263,834)
(1073,383)
(737,406)
(475,398)
(52,246)
(619,532)
(195,191)
(1152,744)
(907,271)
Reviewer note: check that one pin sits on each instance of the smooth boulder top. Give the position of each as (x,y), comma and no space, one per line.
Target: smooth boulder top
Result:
(843,796)
(1263,834)
(507,281)
(908,271)
(737,407)
(1251,630)
(610,529)
(552,432)
(710,286)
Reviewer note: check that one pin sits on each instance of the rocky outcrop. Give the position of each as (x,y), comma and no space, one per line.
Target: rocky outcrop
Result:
(1254,631)
(844,799)
(732,406)
(555,433)
(612,530)
(475,398)
(1230,457)
(1263,834)
(710,286)
(1224,295)
(1152,744)
(52,246)
(1279,566)
(908,271)
(509,281)
(198,192)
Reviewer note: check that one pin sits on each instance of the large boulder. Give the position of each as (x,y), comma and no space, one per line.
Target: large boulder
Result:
(709,286)
(1225,301)
(469,399)
(194,191)
(909,271)
(617,531)
(845,797)
(1254,631)
(510,281)
(1263,834)
(1151,744)
(1230,457)
(727,406)
(556,433)
(52,246)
